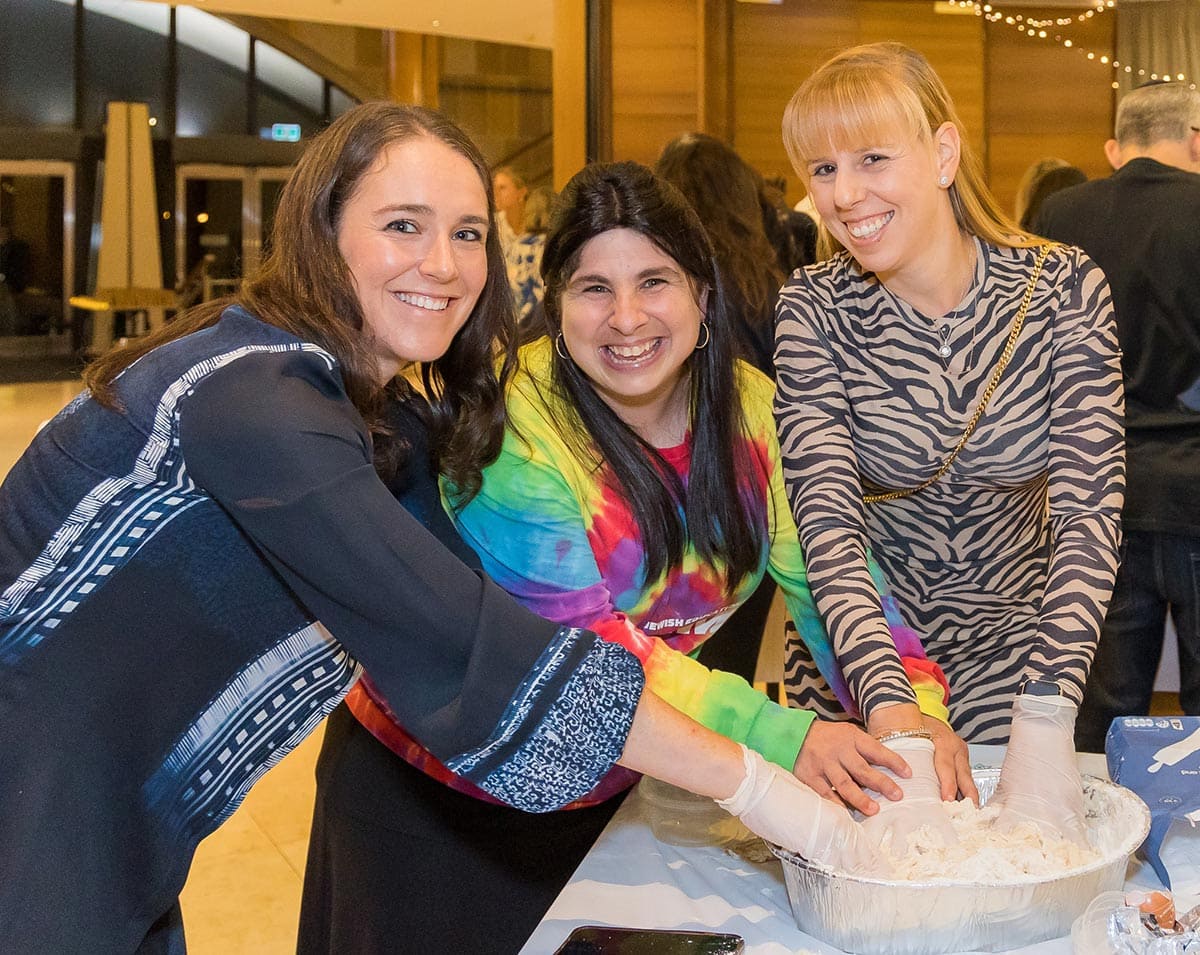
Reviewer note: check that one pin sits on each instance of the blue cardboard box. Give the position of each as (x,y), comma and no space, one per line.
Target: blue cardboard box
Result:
(1159,759)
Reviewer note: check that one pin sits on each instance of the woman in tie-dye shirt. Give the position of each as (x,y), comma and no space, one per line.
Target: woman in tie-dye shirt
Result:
(640,476)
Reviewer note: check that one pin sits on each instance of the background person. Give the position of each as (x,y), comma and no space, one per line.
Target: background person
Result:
(525,262)
(726,194)
(1001,543)
(509,192)
(729,199)
(1044,186)
(1139,225)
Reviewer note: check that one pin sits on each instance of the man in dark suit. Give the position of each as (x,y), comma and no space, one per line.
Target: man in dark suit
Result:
(1142,227)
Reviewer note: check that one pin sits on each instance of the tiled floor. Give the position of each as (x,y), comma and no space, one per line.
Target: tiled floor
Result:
(243,896)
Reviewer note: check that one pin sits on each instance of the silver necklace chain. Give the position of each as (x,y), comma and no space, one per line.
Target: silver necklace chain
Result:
(945,325)
(945,329)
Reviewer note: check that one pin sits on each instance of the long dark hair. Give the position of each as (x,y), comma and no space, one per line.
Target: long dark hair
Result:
(727,194)
(305,287)
(723,512)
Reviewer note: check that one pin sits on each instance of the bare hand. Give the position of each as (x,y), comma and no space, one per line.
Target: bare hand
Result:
(837,761)
(952,761)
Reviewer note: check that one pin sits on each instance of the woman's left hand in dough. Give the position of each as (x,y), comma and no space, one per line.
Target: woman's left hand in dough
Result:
(1039,780)
(838,762)
(951,761)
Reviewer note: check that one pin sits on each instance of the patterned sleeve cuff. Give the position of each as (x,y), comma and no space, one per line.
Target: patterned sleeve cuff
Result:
(564,728)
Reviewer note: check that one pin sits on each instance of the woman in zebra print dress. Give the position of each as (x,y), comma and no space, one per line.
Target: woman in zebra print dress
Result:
(884,352)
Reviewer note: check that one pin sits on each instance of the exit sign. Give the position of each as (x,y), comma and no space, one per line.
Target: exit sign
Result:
(285,132)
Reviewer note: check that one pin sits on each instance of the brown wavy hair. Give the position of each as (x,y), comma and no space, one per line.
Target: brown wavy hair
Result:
(305,287)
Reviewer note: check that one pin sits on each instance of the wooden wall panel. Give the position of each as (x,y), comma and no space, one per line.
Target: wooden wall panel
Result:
(569,79)
(776,47)
(1020,98)
(953,44)
(656,86)
(1047,100)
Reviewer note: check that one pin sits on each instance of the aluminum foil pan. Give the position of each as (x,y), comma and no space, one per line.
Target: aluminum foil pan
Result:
(882,917)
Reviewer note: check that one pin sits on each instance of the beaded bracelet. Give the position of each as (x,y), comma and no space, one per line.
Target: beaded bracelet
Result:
(904,734)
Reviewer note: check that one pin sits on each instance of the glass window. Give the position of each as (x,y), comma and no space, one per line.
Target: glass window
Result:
(289,93)
(37,63)
(126,58)
(339,102)
(214,57)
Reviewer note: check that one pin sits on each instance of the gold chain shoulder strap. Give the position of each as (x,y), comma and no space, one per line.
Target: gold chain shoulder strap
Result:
(1005,357)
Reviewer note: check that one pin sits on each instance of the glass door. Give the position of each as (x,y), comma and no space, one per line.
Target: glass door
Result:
(222,215)
(37,256)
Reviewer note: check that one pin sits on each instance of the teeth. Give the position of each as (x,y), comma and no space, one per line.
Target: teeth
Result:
(868,227)
(423,301)
(633,352)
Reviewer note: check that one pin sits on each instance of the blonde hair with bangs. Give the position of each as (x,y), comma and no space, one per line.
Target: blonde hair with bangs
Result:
(876,89)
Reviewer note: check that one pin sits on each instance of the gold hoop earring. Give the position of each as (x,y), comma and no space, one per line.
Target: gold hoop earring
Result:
(707,337)
(560,346)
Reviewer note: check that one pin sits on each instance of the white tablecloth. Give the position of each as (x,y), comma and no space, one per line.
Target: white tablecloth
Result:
(630,878)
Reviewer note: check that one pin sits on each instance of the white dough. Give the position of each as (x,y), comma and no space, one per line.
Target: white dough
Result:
(985,854)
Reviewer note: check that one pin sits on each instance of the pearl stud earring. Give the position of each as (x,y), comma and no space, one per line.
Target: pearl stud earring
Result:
(944,181)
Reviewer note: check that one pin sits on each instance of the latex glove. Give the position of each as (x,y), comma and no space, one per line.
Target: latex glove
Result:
(921,804)
(774,804)
(1039,781)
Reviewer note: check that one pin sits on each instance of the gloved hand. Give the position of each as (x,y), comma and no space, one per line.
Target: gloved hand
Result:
(921,804)
(1039,781)
(774,804)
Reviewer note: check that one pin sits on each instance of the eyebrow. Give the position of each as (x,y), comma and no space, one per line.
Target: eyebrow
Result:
(644,274)
(423,210)
(857,151)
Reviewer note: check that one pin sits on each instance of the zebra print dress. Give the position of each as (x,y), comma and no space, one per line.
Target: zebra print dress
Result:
(1006,564)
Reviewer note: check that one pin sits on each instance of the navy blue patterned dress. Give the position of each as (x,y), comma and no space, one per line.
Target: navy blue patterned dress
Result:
(189,584)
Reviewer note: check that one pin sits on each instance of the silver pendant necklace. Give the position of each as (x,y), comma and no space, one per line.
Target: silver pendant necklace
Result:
(945,350)
(945,325)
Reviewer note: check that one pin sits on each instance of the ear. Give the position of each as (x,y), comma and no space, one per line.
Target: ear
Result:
(1112,152)
(702,302)
(947,146)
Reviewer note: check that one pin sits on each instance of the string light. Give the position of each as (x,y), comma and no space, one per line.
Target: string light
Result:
(1039,30)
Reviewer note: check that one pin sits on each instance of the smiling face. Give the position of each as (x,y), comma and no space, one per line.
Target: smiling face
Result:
(631,319)
(413,236)
(884,200)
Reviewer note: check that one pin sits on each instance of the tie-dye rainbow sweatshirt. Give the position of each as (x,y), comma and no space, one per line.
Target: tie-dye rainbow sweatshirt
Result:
(552,532)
